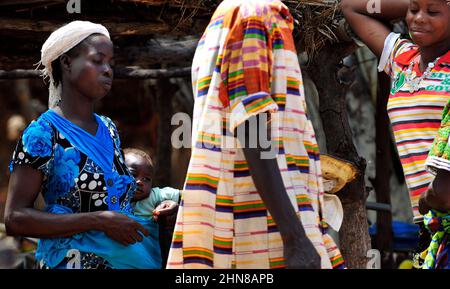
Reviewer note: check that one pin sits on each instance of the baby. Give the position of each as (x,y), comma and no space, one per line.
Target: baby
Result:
(160,204)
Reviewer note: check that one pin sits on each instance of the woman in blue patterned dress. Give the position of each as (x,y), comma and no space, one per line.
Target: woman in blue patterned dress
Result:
(72,156)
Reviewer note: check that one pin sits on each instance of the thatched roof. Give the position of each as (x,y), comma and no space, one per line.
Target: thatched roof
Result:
(25,24)
(315,20)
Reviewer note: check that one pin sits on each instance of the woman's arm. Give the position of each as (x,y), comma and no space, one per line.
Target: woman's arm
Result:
(438,197)
(21,219)
(369,24)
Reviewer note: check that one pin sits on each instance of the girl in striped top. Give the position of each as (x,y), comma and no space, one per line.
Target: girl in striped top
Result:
(420,73)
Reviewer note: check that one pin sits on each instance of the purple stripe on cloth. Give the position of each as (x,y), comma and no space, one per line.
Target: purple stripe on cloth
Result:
(251,63)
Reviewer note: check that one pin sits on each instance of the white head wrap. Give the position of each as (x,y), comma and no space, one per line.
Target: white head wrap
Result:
(58,43)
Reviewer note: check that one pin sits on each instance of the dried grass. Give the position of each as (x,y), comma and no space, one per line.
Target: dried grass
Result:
(315,20)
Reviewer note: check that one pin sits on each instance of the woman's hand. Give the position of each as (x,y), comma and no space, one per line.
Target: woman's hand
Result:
(121,228)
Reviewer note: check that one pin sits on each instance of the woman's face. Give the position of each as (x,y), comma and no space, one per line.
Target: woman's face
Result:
(429,22)
(91,70)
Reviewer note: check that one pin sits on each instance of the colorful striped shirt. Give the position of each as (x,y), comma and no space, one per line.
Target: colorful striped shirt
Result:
(246,64)
(415,116)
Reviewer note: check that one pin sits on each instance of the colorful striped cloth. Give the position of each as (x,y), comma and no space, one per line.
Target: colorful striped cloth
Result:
(415,117)
(246,64)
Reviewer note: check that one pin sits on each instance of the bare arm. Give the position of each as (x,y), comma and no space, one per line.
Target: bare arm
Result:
(21,219)
(369,24)
(438,197)
(299,251)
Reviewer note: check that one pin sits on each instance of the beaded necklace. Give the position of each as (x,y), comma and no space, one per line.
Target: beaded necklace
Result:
(412,80)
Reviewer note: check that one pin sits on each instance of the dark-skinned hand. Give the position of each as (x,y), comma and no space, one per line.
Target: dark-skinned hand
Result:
(166,208)
(121,228)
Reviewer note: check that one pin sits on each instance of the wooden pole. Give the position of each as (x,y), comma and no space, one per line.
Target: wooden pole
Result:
(121,73)
(384,237)
(158,50)
(114,28)
(174,51)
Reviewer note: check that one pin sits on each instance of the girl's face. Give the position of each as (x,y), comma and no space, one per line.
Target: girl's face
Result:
(429,22)
(91,70)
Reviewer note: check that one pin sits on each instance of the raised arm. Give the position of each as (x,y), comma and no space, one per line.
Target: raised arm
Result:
(298,249)
(21,219)
(368,19)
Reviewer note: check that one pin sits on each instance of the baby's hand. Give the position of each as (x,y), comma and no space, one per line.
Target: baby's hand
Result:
(167,207)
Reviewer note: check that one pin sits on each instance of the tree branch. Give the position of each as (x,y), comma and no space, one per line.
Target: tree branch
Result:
(124,73)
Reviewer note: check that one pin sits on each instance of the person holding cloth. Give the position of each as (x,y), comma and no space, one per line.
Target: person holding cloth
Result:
(244,205)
